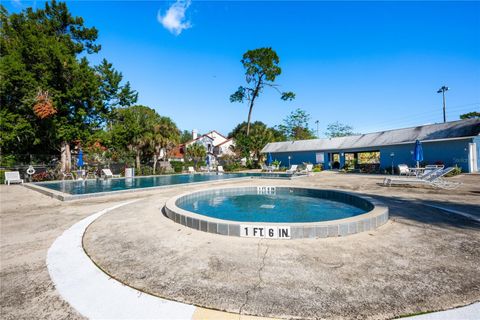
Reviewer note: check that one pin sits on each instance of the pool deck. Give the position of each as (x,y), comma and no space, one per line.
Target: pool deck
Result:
(423,259)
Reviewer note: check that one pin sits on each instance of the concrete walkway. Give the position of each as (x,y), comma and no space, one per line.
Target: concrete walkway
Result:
(30,223)
(97,296)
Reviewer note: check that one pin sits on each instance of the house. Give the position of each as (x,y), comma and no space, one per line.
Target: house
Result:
(216,145)
(451,143)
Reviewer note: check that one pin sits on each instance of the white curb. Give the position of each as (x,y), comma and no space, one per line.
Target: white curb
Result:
(92,293)
(470,312)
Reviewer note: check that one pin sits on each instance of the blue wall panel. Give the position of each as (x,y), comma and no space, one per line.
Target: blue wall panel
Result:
(453,152)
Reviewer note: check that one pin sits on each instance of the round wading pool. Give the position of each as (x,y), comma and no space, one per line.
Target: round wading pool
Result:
(277,212)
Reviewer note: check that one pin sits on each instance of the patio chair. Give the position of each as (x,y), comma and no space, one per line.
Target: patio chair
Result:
(12,177)
(107,173)
(220,169)
(267,168)
(66,175)
(292,169)
(403,169)
(191,170)
(308,168)
(434,178)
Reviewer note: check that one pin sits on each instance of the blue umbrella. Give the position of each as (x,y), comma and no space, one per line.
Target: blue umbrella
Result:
(80,158)
(418,153)
(269,159)
(207,161)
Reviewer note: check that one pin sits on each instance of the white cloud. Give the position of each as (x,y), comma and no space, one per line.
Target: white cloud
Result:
(174,19)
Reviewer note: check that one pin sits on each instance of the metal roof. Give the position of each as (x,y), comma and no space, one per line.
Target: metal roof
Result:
(440,131)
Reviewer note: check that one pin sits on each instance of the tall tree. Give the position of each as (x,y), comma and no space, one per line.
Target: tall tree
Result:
(295,126)
(48,82)
(470,115)
(186,136)
(261,69)
(338,129)
(133,126)
(260,134)
(112,93)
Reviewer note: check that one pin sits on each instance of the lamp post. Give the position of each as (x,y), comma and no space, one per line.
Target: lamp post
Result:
(289,157)
(392,155)
(442,90)
(318,136)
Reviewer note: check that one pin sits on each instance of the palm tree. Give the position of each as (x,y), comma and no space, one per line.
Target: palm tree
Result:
(165,136)
(196,152)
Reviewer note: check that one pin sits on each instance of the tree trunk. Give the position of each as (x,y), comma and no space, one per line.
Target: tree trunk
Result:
(249,116)
(155,159)
(65,157)
(137,160)
(69,158)
(254,96)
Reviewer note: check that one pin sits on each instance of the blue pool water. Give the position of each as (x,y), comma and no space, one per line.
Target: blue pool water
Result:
(101,185)
(283,206)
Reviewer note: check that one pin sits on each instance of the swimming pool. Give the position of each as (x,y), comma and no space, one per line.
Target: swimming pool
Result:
(121,184)
(282,205)
(277,212)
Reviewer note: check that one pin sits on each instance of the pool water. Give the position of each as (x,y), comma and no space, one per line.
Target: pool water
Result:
(107,185)
(282,206)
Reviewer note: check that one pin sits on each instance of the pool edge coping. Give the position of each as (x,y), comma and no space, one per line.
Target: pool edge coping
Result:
(367,221)
(63,196)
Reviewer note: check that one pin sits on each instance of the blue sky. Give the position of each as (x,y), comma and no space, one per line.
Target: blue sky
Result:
(373,65)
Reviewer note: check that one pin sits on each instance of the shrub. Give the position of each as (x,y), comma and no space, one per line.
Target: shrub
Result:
(318,168)
(2,176)
(145,171)
(177,166)
(41,176)
(456,171)
(8,161)
(233,167)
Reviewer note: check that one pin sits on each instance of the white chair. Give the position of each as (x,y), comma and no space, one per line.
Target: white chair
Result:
(308,168)
(107,173)
(191,170)
(12,177)
(403,169)
(292,169)
(220,169)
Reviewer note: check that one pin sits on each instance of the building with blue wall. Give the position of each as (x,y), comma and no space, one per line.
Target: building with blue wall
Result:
(451,143)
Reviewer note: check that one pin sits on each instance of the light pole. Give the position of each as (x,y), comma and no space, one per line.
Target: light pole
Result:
(289,157)
(318,136)
(392,155)
(442,90)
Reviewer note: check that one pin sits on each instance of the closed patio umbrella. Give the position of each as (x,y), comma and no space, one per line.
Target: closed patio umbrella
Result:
(269,159)
(207,161)
(418,153)
(80,159)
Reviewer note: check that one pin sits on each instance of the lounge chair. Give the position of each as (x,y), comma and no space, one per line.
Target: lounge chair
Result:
(191,170)
(432,178)
(267,168)
(107,173)
(220,169)
(12,177)
(292,169)
(308,168)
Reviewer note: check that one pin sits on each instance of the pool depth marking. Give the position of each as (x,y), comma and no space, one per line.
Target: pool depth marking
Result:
(269,232)
(92,292)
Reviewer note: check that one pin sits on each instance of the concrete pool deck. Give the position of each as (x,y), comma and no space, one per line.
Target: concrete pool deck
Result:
(423,260)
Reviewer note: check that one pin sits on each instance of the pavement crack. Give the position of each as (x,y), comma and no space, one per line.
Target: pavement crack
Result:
(259,281)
